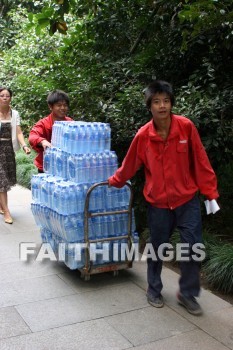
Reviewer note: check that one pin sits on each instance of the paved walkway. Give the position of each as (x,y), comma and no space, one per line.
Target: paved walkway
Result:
(44,305)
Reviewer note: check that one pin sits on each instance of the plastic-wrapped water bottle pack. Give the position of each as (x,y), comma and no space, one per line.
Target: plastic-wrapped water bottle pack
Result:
(79,157)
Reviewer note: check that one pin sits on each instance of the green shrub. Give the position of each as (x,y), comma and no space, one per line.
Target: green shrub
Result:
(25,168)
(218,269)
(222,222)
(24,174)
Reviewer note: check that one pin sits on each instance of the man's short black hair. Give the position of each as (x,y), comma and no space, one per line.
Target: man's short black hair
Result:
(57,96)
(158,86)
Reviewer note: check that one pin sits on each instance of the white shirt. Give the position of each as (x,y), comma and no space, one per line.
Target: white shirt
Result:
(15,120)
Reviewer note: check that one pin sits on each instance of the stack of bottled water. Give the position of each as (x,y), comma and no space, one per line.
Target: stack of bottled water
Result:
(81,137)
(79,157)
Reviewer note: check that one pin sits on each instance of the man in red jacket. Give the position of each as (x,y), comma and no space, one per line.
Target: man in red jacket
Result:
(176,167)
(41,133)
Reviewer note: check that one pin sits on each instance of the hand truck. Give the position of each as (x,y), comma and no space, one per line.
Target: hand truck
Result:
(89,269)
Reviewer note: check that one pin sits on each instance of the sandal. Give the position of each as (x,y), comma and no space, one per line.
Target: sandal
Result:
(9,220)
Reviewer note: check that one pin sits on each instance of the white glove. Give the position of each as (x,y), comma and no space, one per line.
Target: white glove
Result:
(211,206)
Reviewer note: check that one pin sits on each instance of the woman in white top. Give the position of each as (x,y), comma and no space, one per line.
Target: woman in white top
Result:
(11,137)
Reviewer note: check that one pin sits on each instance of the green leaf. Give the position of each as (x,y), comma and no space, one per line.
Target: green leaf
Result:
(38,30)
(43,22)
(30,17)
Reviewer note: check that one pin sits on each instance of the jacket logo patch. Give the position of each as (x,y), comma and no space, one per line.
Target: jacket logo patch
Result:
(183,141)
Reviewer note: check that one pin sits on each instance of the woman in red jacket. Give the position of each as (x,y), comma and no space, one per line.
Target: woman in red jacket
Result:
(41,134)
(176,167)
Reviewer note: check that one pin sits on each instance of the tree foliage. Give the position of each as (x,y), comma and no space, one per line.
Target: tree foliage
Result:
(104,53)
(8,28)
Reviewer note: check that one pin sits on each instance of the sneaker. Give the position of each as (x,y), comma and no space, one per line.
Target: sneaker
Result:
(155,301)
(190,304)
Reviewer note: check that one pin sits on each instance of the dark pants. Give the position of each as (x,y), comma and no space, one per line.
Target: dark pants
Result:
(187,219)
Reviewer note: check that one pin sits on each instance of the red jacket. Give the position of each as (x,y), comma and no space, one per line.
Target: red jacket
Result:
(42,130)
(175,169)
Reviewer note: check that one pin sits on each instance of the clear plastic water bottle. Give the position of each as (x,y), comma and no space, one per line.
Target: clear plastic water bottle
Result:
(52,170)
(81,139)
(73,205)
(65,226)
(59,133)
(80,227)
(101,137)
(51,181)
(64,157)
(107,145)
(35,212)
(91,230)
(57,198)
(40,178)
(86,166)
(95,138)
(88,138)
(105,225)
(61,163)
(44,192)
(47,166)
(35,188)
(54,134)
(97,226)
(120,197)
(124,224)
(58,162)
(80,198)
(66,137)
(113,162)
(46,235)
(99,198)
(46,217)
(100,168)
(109,198)
(71,168)
(93,167)
(34,209)
(73,145)
(118,224)
(106,165)
(52,228)
(80,169)
(96,200)
(92,201)
(111,226)
(58,224)
(58,219)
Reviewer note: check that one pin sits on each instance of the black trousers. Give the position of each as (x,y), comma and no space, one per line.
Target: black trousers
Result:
(162,222)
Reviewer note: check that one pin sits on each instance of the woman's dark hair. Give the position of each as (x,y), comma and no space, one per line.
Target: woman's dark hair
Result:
(57,96)
(158,86)
(7,89)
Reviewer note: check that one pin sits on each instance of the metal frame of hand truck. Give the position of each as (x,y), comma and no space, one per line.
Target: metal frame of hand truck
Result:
(90,269)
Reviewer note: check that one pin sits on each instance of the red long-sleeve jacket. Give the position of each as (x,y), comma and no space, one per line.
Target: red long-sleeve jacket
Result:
(42,130)
(175,169)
